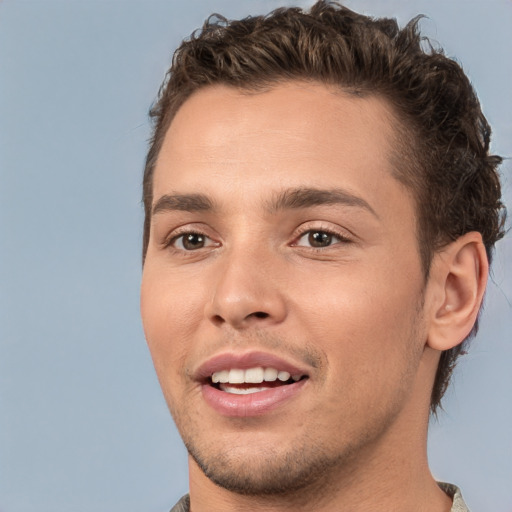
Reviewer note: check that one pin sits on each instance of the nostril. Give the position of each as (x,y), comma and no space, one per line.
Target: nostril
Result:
(260,314)
(217,320)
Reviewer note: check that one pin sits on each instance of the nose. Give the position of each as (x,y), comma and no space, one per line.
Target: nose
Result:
(248,292)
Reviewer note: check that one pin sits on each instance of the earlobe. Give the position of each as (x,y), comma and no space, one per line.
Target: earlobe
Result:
(460,272)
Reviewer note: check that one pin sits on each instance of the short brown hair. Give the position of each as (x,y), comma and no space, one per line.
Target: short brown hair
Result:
(442,147)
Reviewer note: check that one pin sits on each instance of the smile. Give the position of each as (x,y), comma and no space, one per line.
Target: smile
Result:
(242,382)
(249,385)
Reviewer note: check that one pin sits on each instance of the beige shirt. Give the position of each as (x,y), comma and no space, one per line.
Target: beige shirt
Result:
(454,492)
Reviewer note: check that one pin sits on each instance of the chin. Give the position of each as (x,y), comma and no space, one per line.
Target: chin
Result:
(267,471)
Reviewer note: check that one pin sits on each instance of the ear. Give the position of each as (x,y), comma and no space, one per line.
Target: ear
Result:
(458,278)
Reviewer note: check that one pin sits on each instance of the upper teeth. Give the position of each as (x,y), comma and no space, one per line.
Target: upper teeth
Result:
(251,375)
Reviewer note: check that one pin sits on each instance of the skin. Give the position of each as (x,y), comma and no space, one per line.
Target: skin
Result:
(356,313)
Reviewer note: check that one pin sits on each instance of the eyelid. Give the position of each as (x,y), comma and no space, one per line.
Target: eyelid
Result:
(343,235)
(208,241)
(169,241)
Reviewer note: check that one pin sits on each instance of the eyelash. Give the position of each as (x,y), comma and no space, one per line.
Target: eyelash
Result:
(342,238)
(171,241)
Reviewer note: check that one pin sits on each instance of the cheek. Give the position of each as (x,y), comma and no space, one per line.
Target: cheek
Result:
(370,343)
(364,322)
(170,315)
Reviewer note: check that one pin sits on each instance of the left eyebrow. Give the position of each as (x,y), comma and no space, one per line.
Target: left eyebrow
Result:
(306,197)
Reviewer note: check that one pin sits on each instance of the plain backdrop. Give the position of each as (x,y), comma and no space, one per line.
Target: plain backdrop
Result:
(83,425)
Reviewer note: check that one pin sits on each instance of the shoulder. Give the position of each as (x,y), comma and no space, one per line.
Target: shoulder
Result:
(454,492)
(183,505)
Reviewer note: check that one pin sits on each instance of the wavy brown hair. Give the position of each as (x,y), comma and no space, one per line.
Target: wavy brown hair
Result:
(441,151)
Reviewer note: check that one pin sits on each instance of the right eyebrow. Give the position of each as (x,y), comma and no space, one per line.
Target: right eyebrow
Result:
(182,202)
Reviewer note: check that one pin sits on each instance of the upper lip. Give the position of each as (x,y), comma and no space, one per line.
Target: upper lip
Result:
(243,361)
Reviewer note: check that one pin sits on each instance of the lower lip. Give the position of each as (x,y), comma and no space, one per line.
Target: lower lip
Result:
(253,404)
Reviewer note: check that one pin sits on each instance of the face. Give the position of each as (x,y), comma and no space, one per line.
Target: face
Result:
(282,290)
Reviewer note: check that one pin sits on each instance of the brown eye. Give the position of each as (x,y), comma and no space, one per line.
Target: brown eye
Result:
(191,241)
(319,239)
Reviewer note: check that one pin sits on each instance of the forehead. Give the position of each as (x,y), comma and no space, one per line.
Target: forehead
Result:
(294,134)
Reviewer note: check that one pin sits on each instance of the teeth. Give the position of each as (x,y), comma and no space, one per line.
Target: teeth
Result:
(222,376)
(254,375)
(251,376)
(270,374)
(236,376)
(240,391)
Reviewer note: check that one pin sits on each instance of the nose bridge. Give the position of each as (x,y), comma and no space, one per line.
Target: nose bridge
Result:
(247,289)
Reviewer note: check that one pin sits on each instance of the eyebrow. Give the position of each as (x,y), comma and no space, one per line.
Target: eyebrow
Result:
(289,199)
(306,197)
(183,202)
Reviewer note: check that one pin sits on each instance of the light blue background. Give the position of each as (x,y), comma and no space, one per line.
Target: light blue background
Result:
(83,425)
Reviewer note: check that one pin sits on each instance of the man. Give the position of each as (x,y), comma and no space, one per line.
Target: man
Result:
(321,208)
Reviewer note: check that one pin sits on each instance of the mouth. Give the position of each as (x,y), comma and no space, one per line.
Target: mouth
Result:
(252,380)
(250,384)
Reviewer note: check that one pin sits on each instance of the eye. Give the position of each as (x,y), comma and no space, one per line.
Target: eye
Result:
(191,241)
(318,238)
